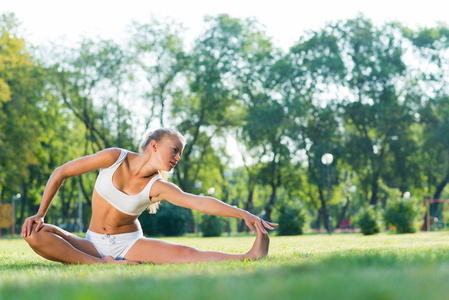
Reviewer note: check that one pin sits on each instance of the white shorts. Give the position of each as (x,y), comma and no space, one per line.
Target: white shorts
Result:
(116,245)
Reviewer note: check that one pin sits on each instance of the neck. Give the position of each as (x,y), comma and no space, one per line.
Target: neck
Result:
(141,166)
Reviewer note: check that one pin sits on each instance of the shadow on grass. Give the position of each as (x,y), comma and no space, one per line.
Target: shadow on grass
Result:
(382,258)
(20,266)
(300,261)
(341,275)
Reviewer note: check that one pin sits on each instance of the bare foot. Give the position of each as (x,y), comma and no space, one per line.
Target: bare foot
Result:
(111,260)
(260,247)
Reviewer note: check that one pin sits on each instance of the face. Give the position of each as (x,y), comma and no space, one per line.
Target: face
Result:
(169,152)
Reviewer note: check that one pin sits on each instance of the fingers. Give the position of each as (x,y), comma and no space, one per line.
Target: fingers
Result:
(259,225)
(250,226)
(261,228)
(30,227)
(27,227)
(268,225)
(39,225)
(24,228)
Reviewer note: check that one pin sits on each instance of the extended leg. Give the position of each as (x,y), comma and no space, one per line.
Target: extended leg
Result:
(56,244)
(157,251)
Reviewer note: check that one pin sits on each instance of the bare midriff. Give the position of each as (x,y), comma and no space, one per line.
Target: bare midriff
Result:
(106,219)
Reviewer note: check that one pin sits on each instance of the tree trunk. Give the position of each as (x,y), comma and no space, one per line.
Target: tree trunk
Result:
(437,195)
(324,211)
(318,219)
(375,188)
(343,213)
(268,207)
(275,182)
(315,207)
(248,207)
(24,200)
(441,187)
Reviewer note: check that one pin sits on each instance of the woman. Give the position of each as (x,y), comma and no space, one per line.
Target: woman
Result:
(128,183)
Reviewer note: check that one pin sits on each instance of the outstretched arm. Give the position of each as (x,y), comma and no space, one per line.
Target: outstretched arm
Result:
(102,159)
(208,205)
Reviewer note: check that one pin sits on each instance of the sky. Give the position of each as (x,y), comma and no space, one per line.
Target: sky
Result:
(44,21)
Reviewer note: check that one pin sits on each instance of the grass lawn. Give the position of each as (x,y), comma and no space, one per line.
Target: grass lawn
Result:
(341,266)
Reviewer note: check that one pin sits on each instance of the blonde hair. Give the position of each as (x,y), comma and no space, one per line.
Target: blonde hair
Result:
(157,136)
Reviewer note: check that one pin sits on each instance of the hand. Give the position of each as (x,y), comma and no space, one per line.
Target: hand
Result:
(28,224)
(254,222)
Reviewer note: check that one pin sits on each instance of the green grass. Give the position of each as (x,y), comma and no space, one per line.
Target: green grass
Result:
(344,266)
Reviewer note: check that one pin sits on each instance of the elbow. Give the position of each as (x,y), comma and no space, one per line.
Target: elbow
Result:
(59,174)
(203,205)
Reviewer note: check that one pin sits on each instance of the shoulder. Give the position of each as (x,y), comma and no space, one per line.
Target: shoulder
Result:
(110,152)
(101,159)
(108,156)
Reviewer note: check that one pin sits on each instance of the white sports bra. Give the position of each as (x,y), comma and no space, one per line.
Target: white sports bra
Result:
(132,205)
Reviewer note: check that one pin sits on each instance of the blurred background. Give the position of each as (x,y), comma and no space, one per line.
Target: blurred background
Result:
(324,116)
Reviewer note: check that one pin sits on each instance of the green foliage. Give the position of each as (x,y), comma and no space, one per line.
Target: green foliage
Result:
(291,217)
(402,214)
(375,119)
(368,219)
(23,105)
(159,40)
(170,220)
(347,88)
(211,225)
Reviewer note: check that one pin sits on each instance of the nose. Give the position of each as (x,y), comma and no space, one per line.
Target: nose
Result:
(178,157)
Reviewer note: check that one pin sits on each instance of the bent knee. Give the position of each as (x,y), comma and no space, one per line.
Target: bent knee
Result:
(34,237)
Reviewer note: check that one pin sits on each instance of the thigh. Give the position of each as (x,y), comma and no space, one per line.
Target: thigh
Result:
(160,252)
(76,241)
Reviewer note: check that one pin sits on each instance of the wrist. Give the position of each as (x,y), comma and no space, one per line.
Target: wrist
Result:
(244,214)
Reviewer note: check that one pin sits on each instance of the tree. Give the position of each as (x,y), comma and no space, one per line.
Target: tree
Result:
(89,81)
(211,108)
(429,94)
(268,117)
(317,68)
(158,51)
(375,115)
(431,99)
(22,108)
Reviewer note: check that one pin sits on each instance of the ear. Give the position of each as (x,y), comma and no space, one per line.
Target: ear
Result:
(153,146)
